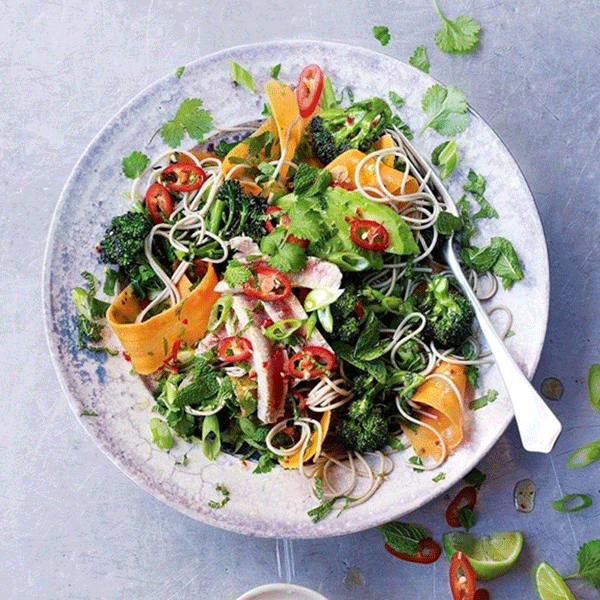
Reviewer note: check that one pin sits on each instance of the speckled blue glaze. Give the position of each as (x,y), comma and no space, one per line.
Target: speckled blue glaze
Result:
(273,504)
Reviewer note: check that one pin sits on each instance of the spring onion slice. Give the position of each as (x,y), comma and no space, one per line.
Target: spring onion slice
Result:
(282,329)
(594,385)
(572,503)
(584,456)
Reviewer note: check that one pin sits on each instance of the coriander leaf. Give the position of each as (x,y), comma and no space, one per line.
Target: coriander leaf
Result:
(459,36)
(402,537)
(507,267)
(445,156)
(134,164)
(179,72)
(172,132)
(190,118)
(240,76)
(396,99)
(466,517)
(236,273)
(447,223)
(446,109)
(223,148)
(475,478)
(266,463)
(275,71)
(484,400)
(382,34)
(345,352)
(402,126)
(395,443)
(588,557)
(419,59)
(289,257)
(305,222)
(88,413)
(304,178)
(472,373)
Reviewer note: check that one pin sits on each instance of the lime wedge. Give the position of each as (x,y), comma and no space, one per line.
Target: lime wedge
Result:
(491,555)
(550,585)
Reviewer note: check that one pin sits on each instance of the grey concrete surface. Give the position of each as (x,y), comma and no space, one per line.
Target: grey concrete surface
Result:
(72,526)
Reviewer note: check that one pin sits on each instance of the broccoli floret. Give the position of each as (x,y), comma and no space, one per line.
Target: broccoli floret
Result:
(346,322)
(234,212)
(449,314)
(336,130)
(123,241)
(362,425)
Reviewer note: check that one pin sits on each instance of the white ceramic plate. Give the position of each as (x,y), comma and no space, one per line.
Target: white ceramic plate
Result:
(281,591)
(273,504)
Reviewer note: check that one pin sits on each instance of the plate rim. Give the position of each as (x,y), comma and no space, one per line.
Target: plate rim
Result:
(213,520)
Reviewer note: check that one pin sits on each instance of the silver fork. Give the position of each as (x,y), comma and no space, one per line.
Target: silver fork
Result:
(538,427)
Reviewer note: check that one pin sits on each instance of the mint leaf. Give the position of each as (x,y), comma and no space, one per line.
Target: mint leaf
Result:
(480,259)
(460,36)
(419,59)
(275,71)
(476,184)
(588,557)
(446,109)
(507,266)
(240,76)
(445,156)
(134,164)
(382,34)
(447,223)
(402,537)
(484,400)
(179,72)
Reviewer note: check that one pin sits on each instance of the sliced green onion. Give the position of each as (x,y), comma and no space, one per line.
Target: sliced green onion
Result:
(311,323)
(326,319)
(282,329)
(247,426)
(219,312)
(572,503)
(584,456)
(211,437)
(320,298)
(239,75)
(594,386)
(349,261)
(161,434)
(328,99)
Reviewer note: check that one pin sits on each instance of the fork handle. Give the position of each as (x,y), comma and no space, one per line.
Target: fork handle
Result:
(538,427)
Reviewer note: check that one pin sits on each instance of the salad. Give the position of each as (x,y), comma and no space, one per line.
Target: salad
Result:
(286,298)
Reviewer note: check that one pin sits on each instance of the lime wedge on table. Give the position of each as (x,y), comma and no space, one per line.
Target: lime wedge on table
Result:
(550,585)
(490,555)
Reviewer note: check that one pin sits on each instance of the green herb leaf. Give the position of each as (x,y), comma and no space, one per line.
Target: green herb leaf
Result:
(460,36)
(472,372)
(240,76)
(402,126)
(476,184)
(275,71)
(236,273)
(88,413)
(419,59)
(179,72)
(266,463)
(507,266)
(396,99)
(588,557)
(447,223)
(382,34)
(475,478)
(484,400)
(416,460)
(289,257)
(480,259)
(445,156)
(593,384)
(446,109)
(466,517)
(439,477)
(190,118)
(134,164)
(402,537)
(224,148)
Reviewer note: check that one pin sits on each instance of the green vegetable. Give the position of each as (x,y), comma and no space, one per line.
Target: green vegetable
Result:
(499,256)
(584,456)
(236,273)
(402,537)
(381,34)
(179,72)
(439,477)
(328,99)
(588,557)
(447,223)
(281,330)
(337,129)
(211,437)
(275,71)
(219,312)
(88,413)
(445,156)
(190,118)
(225,497)
(240,76)
(475,478)
(593,383)
(161,434)
(459,36)
(466,517)
(320,298)
(572,503)
(419,59)
(325,318)
(446,109)
(449,316)
(396,99)
(134,164)
(484,400)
